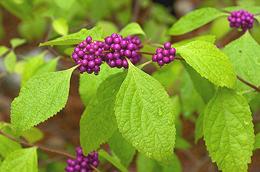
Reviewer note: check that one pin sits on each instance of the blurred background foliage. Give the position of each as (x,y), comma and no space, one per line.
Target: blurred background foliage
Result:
(26,23)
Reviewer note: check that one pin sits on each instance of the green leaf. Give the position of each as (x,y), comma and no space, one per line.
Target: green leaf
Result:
(122,149)
(194,20)
(251,9)
(50,66)
(176,103)
(19,67)
(7,128)
(15,42)
(3,50)
(33,28)
(145,115)
(22,160)
(108,27)
(96,33)
(188,96)
(60,26)
(168,75)
(209,62)
(155,31)
(7,146)
(228,131)
(113,160)
(174,166)
(258,18)
(220,27)
(32,64)
(9,61)
(20,9)
(164,17)
(88,84)
(244,53)
(145,164)
(257,141)
(98,122)
(132,29)
(40,98)
(199,127)
(35,66)
(32,135)
(65,6)
(203,87)
(207,38)
(181,143)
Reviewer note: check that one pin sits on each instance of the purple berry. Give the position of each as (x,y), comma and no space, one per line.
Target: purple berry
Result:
(87,55)
(164,55)
(128,53)
(167,45)
(82,163)
(119,62)
(125,63)
(114,50)
(124,43)
(89,39)
(131,46)
(109,40)
(154,58)
(241,19)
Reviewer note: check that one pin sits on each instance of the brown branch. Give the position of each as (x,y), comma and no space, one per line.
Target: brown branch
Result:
(2,75)
(248,84)
(26,144)
(136,7)
(230,36)
(147,53)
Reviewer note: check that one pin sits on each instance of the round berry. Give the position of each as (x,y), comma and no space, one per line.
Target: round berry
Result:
(164,55)
(167,45)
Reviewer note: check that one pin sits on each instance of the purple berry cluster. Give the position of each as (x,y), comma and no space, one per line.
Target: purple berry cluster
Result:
(241,19)
(164,55)
(114,50)
(120,49)
(88,55)
(82,163)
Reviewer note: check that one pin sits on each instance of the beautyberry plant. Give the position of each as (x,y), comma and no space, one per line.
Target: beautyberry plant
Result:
(136,87)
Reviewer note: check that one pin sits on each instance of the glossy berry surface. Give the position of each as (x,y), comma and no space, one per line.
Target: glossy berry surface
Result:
(88,55)
(82,163)
(120,49)
(164,55)
(241,19)
(114,50)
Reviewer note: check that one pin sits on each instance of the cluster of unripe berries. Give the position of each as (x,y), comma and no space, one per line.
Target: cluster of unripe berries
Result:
(164,55)
(241,19)
(115,50)
(82,163)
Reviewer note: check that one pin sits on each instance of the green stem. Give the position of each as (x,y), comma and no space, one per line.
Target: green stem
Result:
(144,64)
